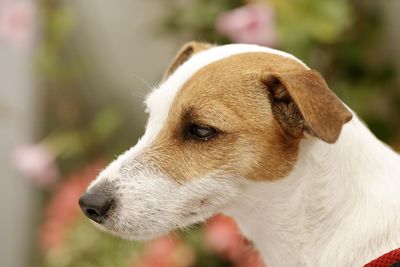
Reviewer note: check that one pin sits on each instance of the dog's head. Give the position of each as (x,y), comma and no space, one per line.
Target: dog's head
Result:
(223,117)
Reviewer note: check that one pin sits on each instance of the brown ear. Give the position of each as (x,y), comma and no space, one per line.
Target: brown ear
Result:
(187,51)
(302,101)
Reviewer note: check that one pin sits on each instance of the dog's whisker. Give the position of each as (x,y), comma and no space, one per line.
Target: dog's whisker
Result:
(138,95)
(147,84)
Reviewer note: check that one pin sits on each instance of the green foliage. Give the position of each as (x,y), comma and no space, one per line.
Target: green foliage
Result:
(302,23)
(88,247)
(364,78)
(85,141)
(204,256)
(52,62)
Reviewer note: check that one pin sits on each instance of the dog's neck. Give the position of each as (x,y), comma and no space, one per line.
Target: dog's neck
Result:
(340,204)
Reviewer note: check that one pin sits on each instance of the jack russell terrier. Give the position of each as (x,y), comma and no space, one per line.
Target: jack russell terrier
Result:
(253,133)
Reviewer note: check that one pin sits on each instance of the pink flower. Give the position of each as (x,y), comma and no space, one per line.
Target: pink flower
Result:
(16,21)
(167,251)
(223,236)
(63,209)
(252,24)
(37,162)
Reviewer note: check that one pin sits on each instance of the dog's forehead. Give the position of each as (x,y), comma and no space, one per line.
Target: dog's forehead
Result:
(160,100)
(174,83)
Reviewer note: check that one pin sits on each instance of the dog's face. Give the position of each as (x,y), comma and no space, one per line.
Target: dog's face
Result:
(223,117)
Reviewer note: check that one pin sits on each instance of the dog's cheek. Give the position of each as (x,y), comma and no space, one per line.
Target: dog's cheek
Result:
(210,194)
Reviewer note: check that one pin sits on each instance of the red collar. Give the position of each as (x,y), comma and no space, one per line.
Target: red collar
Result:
(390,259)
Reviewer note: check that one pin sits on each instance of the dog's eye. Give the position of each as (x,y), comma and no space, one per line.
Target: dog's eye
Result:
(204,133)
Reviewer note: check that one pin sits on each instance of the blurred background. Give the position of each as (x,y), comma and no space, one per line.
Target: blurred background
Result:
(73,75)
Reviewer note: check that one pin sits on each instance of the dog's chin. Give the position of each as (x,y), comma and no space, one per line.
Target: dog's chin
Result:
(132,234)
(137,236)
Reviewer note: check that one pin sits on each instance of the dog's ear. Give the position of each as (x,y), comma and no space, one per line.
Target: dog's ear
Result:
(187,51)
(301,102)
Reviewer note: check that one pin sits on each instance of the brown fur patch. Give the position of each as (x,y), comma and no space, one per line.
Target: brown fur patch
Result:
(316,108)
(256,139)
(186,52)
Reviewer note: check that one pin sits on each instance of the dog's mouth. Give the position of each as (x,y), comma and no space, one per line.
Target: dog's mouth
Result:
(109,219)
(132,223)
(143,229)
(128,233)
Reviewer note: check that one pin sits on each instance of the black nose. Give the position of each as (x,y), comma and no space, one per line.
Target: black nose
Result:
(95,206)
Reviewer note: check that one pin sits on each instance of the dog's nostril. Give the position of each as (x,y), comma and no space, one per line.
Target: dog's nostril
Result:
(92,212)
(95,206)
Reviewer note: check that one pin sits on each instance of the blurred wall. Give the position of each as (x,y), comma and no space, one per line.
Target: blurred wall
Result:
(17,121)
(126,52)
(16,126)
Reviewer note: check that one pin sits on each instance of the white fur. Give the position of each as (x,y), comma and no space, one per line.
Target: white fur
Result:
(340,205)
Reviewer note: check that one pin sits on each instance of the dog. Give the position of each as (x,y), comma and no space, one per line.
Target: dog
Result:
(253,133)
